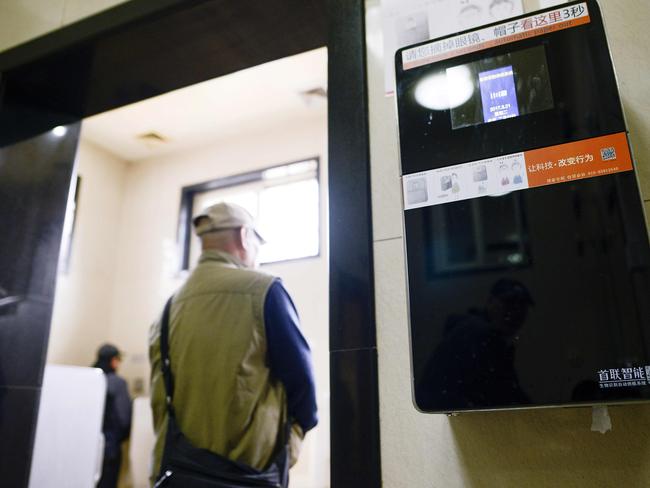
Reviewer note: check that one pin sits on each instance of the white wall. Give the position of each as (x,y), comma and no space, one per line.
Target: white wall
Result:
(23,20)
(145,270)
(124,258)
(537,449)
(84,296)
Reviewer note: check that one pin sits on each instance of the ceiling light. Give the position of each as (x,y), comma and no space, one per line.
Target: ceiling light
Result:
(314,95)
(152,137)
(152,140)
(59,131)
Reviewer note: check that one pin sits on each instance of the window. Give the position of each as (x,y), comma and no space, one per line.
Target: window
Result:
(283,200)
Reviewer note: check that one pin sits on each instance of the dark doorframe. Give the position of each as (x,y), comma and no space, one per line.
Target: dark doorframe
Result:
(145,48)
(353,348)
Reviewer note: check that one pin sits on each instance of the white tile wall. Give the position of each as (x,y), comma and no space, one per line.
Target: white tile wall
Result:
(626,24)
(404,430)
(79,9)
(23,20)
(384,154)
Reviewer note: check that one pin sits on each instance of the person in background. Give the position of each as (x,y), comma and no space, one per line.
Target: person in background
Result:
(242,369)
(117,414)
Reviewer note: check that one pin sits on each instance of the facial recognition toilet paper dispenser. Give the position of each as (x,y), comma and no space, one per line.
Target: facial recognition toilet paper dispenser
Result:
(527,248)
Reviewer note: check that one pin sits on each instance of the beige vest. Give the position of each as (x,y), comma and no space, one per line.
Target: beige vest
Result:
(224,396)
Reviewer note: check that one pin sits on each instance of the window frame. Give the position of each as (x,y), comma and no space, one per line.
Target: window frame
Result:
(188,194)
(67,239)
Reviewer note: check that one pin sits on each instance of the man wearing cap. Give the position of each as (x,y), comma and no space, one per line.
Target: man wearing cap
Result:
(240,364)
(117,414)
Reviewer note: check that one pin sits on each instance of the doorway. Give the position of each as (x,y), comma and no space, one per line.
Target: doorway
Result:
(145,48)
(125,242)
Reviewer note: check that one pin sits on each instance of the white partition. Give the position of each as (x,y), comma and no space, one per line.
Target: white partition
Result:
(142,442)
(69,445)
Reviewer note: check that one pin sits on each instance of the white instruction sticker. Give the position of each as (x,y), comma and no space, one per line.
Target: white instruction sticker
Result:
(493,176)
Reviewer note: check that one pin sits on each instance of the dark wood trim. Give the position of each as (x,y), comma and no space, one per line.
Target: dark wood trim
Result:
(354,406)
(142,49)
(93,27)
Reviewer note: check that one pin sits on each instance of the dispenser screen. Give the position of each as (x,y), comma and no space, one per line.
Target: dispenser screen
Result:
(498,88)
(498,94)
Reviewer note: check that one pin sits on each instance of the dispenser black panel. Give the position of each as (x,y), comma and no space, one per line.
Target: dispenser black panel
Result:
(527,248)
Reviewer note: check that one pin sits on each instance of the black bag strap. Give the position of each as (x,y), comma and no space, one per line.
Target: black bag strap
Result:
(164,356)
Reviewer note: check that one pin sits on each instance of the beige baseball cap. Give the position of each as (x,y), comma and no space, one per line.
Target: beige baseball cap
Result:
(222,216)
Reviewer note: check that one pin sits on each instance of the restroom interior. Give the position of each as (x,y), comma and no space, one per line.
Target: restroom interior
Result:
(536,448)
(123,244)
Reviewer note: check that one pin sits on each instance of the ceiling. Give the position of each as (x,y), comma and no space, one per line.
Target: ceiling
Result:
(247,101)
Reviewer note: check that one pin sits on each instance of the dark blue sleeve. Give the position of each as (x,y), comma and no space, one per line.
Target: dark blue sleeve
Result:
(290,357)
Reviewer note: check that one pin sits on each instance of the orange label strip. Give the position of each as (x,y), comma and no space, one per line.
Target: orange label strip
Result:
(564,163)
(485,38)
(578,160)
